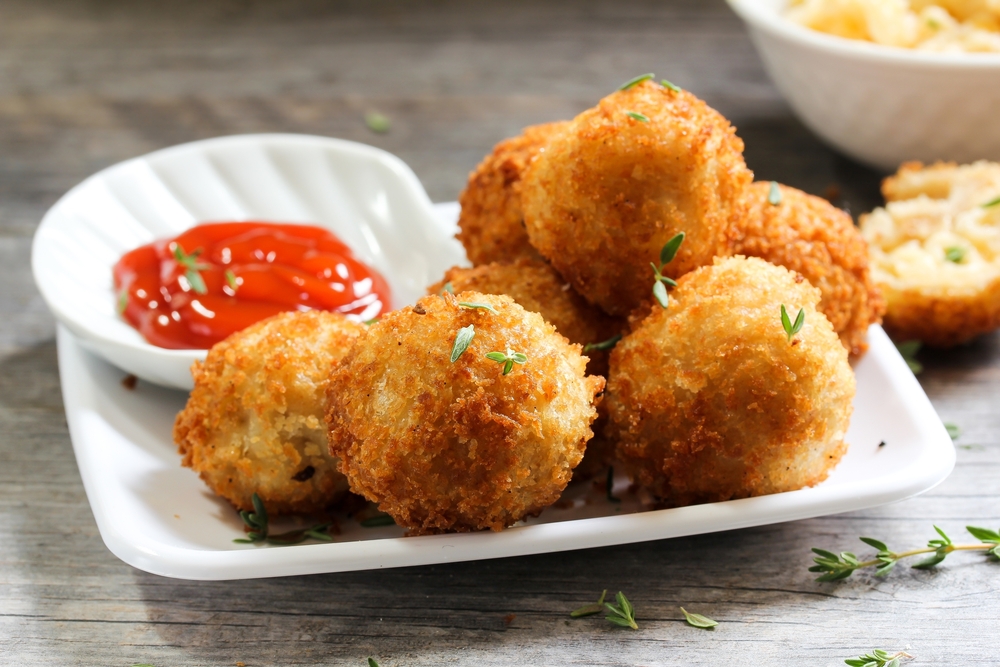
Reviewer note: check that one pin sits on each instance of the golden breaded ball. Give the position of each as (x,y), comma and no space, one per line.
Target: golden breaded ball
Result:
(539,288)
(446,445)
(491,223)
(709,399)
(935,251)
(810,236)
(254,421)
(623,179)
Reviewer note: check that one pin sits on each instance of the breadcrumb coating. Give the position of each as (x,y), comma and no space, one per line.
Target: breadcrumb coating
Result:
(622,179)
(935,251)
(708,398)
(458,446)
(810,236)
(254,420)
(491,223)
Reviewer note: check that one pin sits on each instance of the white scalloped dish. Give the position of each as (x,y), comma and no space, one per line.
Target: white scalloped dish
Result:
(369,198)
(159,517)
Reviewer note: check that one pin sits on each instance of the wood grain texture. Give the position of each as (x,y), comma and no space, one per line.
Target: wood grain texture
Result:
(84,84)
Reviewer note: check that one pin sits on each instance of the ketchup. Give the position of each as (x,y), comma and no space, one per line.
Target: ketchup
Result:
(192,291)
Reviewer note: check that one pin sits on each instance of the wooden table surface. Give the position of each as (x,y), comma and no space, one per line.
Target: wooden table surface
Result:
(86,83)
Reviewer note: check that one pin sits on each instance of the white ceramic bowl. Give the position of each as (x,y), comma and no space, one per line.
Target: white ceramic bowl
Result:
(368,197)
(880,105)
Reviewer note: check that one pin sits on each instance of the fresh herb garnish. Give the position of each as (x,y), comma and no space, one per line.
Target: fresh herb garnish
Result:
(878,658)
(377,521)
(623,613)
(508,359)
(953,430)
(448,288)
(257,522)
(604,345)
(667,84)
(462,340)
(635,115)
(774,194)
(636,81)
(590,609)
(786,323)
(122,304)
(377,122)
(992,202)
(372,663)
(610,485)
(836,567)
(371,321)
(908,350)
(233,282)
(192,268)
(954,254)
(667,254)
(477,306)
(697,620)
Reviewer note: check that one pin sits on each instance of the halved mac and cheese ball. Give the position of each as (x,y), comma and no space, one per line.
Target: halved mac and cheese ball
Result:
(935,251)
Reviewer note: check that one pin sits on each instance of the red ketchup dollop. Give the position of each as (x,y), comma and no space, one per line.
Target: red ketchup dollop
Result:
(192,291)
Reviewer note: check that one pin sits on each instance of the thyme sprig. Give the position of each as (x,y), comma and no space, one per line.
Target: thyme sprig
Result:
(836,567)
(462,341)
(258,523)
(623,613)
(192,267)
(792,328)
(908,350)
(635,115)
(508,359)
(878,658)
(604,345)
(667,254)
(590,609)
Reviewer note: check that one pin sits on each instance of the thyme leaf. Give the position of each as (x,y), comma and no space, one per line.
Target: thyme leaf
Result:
(590,609)
(667,84)
(122,304)
(636,81)
(474,305)
(635,115)
(698,621)
(774,194)
(233,282)
(953,430)
(992,202)
(878,658)
(604,345)
(954,254)
(508,359)
(908,350)
(259,530)
(192,267)
(462,341)
(377,122)
(667,254)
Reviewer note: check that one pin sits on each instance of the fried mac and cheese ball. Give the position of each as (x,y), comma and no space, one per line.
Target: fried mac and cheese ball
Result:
(491,223)
(539,288)
(624,178)
(935,251)
(254,421)
(810,236)
(709,399)
(446,445)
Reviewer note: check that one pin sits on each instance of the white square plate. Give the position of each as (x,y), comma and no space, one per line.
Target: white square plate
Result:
(159,517)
